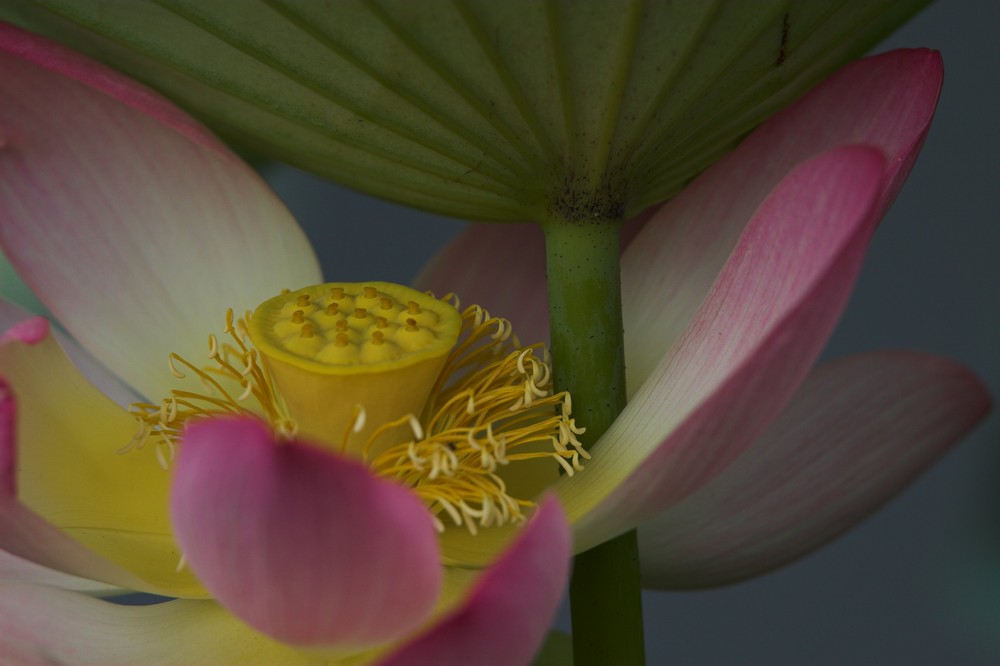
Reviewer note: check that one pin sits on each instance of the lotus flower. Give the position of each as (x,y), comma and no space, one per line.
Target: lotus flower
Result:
(137,229)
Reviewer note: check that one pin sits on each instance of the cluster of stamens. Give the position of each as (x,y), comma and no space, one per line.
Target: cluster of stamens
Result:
(492,405)
(234,366)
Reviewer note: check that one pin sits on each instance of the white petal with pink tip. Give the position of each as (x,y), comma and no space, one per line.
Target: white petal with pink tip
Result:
(886,101)
(743,354)
(137,235)
(857,432)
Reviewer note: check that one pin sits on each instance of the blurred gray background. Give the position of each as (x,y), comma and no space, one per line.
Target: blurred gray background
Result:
(918,583)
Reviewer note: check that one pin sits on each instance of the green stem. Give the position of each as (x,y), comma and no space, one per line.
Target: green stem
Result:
(584,285)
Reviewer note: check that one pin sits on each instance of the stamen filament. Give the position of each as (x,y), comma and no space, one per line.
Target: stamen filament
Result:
(491,406)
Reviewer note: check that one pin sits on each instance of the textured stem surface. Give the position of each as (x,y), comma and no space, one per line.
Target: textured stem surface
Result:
(584,286)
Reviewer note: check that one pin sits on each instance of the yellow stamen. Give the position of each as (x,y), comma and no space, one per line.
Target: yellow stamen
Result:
(448,408)
(236,365)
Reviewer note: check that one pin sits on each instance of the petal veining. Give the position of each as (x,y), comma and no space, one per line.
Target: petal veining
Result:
(42,625)
(20,570)
(745,351)
(859,430)
(304,545)
(886,101)
(507,614)
(135,236)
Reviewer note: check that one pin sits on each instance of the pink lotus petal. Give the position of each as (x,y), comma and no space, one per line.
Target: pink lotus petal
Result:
(508,612)
(745,351)
(43,626)
(303,545)
(136,237)
(886,101)
(66,62)
(500,267)
(859,431)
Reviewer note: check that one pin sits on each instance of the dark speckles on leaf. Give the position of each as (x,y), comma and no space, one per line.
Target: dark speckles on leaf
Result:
(785,25)
(419,92)
(473,169)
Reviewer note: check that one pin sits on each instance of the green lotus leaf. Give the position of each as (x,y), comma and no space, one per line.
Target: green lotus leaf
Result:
(493,110)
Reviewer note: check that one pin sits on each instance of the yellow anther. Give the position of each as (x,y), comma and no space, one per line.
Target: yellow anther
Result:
(303,301)
(247,392)
(418,430)
(452,402)
(173,370)
(359,420)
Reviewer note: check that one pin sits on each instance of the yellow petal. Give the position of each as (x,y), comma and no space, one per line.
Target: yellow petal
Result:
(69,473)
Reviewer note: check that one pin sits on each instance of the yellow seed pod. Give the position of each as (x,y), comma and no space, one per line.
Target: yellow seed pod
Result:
(330,349)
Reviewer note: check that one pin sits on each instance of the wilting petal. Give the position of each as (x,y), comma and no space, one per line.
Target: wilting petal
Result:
(886,101)
(508,612)
(859,430)
(134,234)
(59,468)
(303,545)
(14,569)
(744,353)
(42,625)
